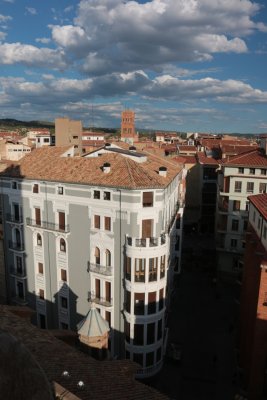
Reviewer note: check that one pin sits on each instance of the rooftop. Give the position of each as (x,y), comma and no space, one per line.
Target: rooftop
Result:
(260,202)
(47,163)
(253,158)
(103,380)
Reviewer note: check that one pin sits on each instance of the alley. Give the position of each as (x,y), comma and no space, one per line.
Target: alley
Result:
(202,320)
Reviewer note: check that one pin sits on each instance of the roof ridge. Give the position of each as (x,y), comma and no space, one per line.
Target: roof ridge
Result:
(241,155)
(129,170)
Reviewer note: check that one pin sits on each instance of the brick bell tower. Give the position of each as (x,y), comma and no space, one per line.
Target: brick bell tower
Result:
(128,133)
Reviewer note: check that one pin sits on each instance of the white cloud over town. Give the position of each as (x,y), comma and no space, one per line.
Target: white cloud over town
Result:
(114,49)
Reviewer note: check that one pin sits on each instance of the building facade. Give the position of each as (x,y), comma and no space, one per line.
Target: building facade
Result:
(68,132)
(128,133)
(238,178)
(99,229)
(253,302)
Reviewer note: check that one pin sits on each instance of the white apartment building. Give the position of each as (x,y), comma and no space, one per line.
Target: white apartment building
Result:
(238,178)
(96,229)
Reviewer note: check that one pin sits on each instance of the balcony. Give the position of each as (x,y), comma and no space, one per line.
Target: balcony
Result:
(147,242)
(93,297)
(22,301)
(17,246)
(49,226)
(18,272)
(149,371)
(100,269)
(14,219)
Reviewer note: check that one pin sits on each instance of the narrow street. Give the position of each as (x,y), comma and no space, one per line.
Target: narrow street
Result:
(202,321)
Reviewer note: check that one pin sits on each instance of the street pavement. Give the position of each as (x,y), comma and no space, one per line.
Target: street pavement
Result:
(202,319)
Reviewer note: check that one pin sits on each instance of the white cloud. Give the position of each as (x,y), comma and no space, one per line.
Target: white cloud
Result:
(68,9)
(5,18)
(43,40)
(31,10)
(9,1)
(2,36)
(13,53)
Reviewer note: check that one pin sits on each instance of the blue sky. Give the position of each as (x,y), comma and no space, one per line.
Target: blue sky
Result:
(184,65)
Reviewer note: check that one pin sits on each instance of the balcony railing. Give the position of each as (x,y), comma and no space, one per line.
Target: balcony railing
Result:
(146,242)
(19,272)
(16,219)
(16,246)
(93,297)
(149,371)
(100,269)
(50,226)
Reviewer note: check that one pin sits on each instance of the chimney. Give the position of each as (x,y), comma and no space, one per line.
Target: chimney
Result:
(163,171)
(107,144)
(132,149)
(106,168)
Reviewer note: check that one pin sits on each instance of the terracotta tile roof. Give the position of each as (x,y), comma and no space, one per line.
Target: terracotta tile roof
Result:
(185,159)
(46,163)
(237,149)
(253,158)
(103,380)
(94,143)
(88,133)
(187,148)
(260,202)
(203,159)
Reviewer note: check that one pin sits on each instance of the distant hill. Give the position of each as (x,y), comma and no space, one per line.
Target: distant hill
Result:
(14,123)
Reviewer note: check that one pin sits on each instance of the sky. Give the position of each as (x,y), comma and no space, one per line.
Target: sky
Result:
(181,65)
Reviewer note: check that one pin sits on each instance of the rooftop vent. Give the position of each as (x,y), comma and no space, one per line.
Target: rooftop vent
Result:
(163,171)
(132,148)
(106,168)
(107,144)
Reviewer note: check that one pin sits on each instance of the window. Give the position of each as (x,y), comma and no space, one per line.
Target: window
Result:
(147,199)
(262,187)
(60,190)
(42,321)
(158,354)
(265,232)
(140,267)
(75,137)
(162,266)
(149,359)
(235,224)
(127,331)
(108,317)
(250,187)
(96,194)
(252,171)
(152,302)
(62,245)
(97,288)
(64,302)
(108,258)
(37,216)
(97,255)
(63,274)
(247,205)
(41,294)
(19,265)
(153,267)
(64,325)
(108,291)
(107,223)
(263,171)
(97,221)
(161,299)
(150,333)
(159,329)
(259,223)
(138,334)
(236,205)
(240,170)
(139,303)
(238,186)
(106,195)
(61,221)
(14,185)
(46,140)
(39,239)
(245,226)
(35,188)
(128,265)
(128,301)
(40,268)
(233,243)
(138,358)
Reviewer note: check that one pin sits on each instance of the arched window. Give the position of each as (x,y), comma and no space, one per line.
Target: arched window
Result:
(39,239)
(108,258)
(62,245)
(97,255)
(17,237)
